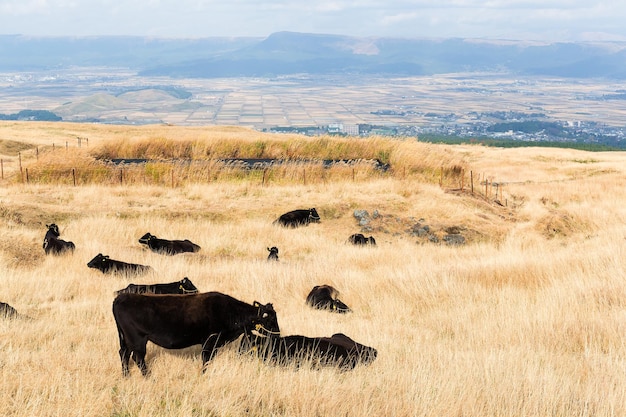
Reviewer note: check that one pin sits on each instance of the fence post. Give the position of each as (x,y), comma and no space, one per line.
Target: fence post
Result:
(37,152)
(27,181)
(263,182)
(74,176)
(304,175)
(121,176)
(472,180)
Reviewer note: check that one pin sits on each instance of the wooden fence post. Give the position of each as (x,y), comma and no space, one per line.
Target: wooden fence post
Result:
(27,181)
(304,175)
(121,176)
(74,176)
(472,180)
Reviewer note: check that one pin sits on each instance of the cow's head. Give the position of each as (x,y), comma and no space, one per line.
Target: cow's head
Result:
(266,318)
(146,238)
(100,261)
(313,216)
(54,229)
(187,287)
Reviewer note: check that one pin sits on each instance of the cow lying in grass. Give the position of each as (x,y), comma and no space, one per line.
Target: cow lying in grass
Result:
(168,247)
(338,350)
(273,255)
(184,286)
(324,297)
(360,239)
(297,218)
(110,266)
(52,245)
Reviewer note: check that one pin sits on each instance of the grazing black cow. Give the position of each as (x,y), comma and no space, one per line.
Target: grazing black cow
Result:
(324,297)
(273,256)
(168,247)
(298,218)
(338,350)
(184,286)
(52,245)
(209,319)
(360,239)
(8,312)
(111,266)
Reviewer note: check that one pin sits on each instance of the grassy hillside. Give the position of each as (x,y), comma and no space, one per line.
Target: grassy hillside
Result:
(525,318)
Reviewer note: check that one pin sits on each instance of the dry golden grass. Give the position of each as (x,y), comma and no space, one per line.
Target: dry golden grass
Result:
(526,319)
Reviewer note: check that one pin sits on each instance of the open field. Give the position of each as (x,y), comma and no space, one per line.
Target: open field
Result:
(307,101)
(527,318)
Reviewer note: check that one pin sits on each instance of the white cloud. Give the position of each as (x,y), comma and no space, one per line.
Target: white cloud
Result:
(184,18)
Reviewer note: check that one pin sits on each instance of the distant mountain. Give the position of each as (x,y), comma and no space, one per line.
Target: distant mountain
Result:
(289,53)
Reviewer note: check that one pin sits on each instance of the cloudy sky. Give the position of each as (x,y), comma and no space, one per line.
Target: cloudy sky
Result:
(501,19)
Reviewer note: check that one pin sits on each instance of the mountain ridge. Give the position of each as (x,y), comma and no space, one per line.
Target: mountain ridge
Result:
(284,53)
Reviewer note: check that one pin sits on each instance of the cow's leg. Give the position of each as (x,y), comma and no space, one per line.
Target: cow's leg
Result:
(216,341)
(124,353)
(138,349)
(139,356)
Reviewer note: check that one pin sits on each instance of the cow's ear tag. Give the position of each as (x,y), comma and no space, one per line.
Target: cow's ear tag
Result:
(258,326)
(256,304)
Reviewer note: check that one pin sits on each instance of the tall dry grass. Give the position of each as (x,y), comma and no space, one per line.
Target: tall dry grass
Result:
(527,318)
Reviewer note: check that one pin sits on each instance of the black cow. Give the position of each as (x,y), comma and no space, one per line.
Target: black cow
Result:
(209,319)
(168,247)
(52,245)
(324,297)
(111,266)
(338,350)
(184,286)
(273,256)
(360,239)
(297,218)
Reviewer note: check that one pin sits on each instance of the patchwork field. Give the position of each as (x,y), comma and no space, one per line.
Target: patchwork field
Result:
(527,317)
(117,96)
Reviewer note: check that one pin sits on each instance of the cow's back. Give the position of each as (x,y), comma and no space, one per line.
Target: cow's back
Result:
(176,321)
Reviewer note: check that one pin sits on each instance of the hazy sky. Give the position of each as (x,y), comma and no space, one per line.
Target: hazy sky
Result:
(504,19)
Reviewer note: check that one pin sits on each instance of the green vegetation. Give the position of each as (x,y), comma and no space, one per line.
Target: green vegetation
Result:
(508,143)
(32,115)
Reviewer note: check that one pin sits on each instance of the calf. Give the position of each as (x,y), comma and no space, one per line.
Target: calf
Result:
(273,256)
(298,218)
(338,350)
(110,266)
(52,245)
(324,297)
(209,319)
(168,247)
(360,239)
(184,286)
